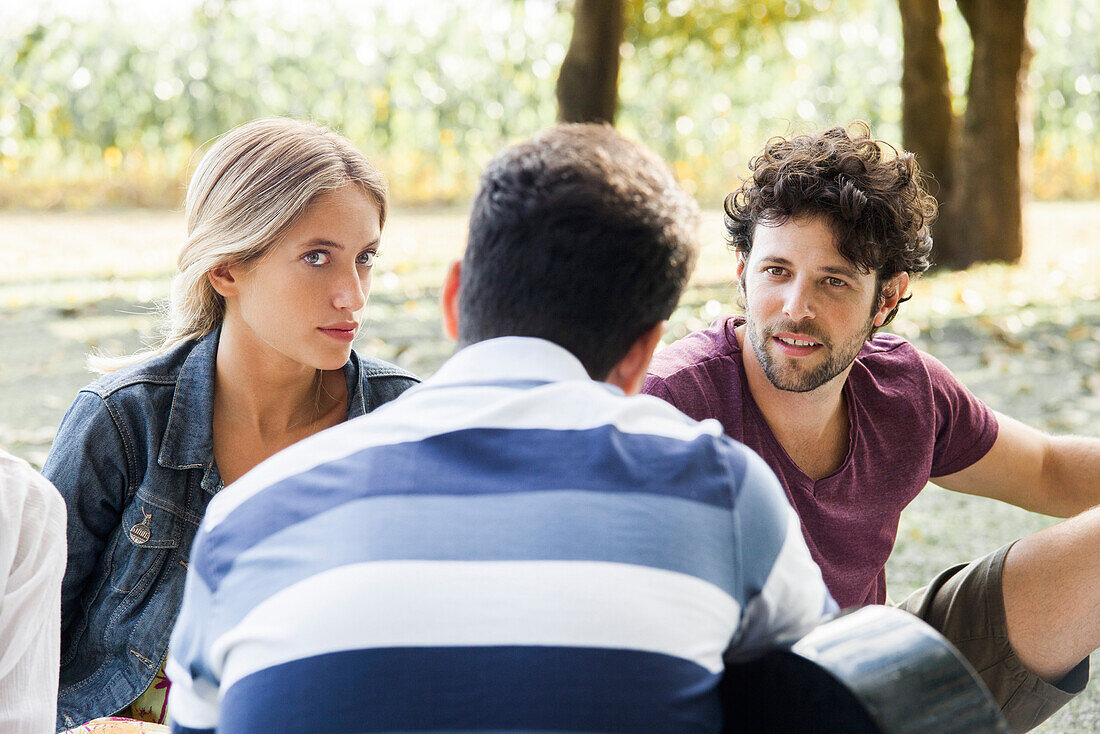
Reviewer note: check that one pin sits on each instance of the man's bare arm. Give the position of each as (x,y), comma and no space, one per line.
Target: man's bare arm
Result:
(1051,580)
(1054,475)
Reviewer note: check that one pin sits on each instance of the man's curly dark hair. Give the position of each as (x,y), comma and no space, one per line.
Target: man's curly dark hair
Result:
(871,193)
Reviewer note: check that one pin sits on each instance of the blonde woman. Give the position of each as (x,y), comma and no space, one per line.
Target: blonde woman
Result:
(283,220)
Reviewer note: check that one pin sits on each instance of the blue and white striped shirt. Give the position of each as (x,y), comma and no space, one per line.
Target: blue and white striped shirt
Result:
(509,546)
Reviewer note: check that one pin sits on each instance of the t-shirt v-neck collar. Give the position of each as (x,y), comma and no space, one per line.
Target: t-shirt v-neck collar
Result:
(769,435)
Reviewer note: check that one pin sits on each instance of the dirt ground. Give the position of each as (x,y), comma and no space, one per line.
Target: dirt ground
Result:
(1025,339)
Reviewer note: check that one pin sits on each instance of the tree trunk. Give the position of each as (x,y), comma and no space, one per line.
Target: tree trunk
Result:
(588,83)
(976,164)
(927,120)
(928,126)
(987,170)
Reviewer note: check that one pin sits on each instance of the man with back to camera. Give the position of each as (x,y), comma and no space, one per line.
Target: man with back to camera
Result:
(828,231)
(517,544)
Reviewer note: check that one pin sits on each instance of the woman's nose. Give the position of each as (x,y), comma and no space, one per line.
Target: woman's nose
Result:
(351,293)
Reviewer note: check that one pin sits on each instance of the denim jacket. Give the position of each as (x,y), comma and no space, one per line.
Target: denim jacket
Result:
(134,460)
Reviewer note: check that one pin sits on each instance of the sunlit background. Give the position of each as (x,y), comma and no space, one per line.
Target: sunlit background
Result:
(106,102)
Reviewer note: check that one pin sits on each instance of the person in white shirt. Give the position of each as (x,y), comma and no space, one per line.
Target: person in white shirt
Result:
(32,562)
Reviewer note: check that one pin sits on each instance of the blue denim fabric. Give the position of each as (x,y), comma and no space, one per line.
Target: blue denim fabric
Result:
(134,460)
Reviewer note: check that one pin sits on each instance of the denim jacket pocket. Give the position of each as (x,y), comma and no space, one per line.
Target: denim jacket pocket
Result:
(148,534)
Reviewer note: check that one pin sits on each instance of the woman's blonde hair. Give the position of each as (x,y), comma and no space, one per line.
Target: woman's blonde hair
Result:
(250,188)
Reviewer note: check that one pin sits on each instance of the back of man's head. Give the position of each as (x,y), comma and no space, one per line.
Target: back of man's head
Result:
(578,236)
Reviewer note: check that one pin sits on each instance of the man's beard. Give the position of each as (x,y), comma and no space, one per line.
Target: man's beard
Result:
(791,379)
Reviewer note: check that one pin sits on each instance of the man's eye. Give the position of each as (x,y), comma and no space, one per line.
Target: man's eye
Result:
(317,257)
(774,270)
(366,257)
(835,282)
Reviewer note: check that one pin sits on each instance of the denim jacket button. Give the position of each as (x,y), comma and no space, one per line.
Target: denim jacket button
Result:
(141,533)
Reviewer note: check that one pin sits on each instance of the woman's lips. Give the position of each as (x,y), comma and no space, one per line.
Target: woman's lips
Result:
(343,334)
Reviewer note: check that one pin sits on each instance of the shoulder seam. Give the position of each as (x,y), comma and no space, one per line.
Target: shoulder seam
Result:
(128,444)
(106,391)
(901,343)
(693,365)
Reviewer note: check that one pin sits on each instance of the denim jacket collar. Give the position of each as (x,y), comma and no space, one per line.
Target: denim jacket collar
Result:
(357,397)
(189,439)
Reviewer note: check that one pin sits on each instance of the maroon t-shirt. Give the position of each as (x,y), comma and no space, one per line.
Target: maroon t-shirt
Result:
(911,420)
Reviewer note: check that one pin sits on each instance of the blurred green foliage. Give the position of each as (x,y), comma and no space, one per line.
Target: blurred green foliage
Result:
(108,103)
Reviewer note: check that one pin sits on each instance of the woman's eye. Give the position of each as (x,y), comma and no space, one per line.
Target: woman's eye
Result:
(317,257)
(366,257)
(774,270)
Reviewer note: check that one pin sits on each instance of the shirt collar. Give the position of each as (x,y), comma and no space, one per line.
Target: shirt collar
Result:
(509,360)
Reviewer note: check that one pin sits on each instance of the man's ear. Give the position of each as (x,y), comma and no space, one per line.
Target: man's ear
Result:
(742,263)
(892,291)
(448,300)
(629,373)
(223,280)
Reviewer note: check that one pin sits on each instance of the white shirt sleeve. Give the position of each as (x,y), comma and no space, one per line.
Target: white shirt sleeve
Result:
(32,562)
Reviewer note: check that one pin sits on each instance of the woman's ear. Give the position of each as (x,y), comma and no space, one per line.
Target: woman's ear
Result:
(223,280)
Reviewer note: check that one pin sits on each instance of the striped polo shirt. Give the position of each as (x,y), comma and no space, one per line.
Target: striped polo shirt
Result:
(509,546)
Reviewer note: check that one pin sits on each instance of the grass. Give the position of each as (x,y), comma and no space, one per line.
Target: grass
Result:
(1025,338)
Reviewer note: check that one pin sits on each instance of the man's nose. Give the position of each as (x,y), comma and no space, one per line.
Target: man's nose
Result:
(797,301)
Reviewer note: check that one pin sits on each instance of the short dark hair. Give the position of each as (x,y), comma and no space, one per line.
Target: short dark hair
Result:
(578,236)
(871,193)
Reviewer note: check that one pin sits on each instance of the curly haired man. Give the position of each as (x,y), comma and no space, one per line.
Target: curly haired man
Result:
(828,231)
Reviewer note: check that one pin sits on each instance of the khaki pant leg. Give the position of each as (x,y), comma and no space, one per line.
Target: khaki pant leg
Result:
(966,604)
